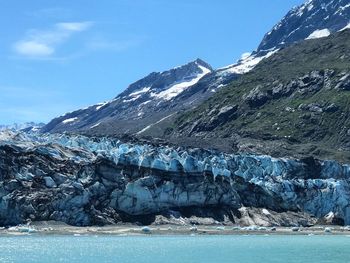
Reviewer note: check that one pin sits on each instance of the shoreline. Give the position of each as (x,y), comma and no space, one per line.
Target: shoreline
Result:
(49,228)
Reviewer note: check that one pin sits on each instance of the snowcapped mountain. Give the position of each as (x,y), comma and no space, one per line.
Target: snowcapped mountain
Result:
(26,127)
(144,102)
(157,97)
(313,19)
(164,86)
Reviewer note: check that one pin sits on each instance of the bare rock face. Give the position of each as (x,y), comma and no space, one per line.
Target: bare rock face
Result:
(256,97)
(97,181)
(250,216)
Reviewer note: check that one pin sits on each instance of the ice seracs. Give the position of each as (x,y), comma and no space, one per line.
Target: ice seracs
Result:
(141,179)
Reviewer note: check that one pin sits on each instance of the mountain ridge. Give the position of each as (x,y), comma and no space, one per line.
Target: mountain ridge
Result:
(314,18)
(302,21)
(153,94)
(292,104)
(149,110)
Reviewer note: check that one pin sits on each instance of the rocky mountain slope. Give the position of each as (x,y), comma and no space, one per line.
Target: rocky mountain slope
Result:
(294,103)
(97,181)
(147,101)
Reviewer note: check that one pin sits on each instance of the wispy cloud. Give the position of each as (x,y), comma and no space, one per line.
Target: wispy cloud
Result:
(44,43)
(33,48)
(74,27)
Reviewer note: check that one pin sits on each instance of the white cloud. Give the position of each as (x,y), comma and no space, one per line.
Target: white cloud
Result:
(43,43)
(32,48)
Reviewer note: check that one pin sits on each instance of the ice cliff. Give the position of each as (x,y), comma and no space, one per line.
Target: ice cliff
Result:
(87,181)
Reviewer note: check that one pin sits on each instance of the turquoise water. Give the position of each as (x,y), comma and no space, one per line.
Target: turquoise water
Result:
(168,249)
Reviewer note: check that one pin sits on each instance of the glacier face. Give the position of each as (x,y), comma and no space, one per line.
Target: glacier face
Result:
(84,181)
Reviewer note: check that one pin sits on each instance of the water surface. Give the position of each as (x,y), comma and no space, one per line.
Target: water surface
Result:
(169,249)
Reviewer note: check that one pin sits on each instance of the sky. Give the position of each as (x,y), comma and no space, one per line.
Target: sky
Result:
(58,56)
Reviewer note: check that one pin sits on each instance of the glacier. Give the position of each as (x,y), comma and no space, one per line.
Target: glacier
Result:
(98,180)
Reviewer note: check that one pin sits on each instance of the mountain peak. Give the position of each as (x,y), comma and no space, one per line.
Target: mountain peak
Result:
(150,96)
(306,21)
(201,62)
(313,19)
(157,82)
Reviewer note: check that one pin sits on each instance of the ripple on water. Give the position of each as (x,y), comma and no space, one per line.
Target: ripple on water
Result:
(171,249)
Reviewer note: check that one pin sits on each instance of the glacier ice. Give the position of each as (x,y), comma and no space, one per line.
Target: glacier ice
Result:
(163,177)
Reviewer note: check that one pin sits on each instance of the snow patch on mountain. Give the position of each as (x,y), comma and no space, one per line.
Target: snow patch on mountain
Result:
(245,55)
(94,126)
(132,99)
(246,63)
(319,34)
(307,6)
(179,87)
(70,120)
(342,8)
(100,105)
(136,93)
(346,27)
(151,125)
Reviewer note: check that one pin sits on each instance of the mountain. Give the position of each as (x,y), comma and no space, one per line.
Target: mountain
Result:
(27,127)
(313,19)
(147,101)
(157,97)
(294,103)
(224,123)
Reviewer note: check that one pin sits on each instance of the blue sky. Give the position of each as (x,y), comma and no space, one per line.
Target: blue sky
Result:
(57,56)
